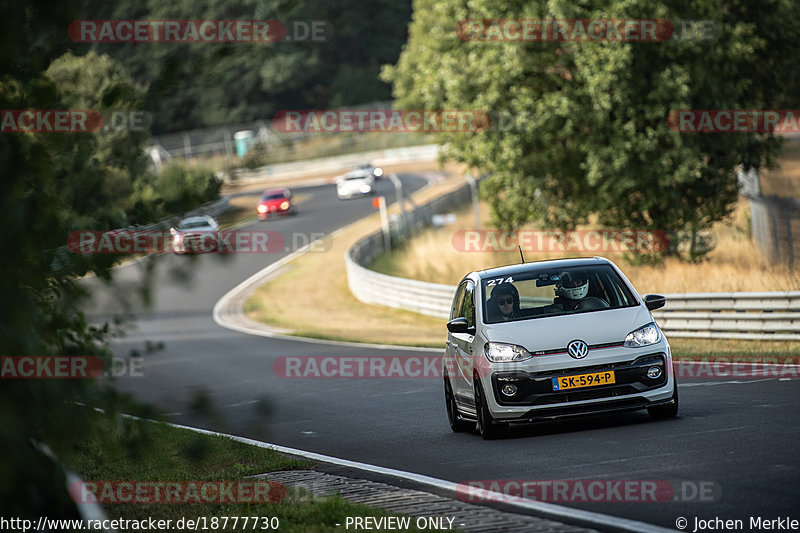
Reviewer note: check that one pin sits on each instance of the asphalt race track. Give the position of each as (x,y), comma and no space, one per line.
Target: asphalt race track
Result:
(737,440)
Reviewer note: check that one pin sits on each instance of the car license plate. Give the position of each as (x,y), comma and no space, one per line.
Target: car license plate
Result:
(583,380)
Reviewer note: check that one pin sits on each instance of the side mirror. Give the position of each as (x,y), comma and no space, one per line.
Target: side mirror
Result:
(459,325)
(654,301)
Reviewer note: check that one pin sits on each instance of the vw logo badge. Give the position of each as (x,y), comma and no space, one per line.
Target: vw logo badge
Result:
(577,349)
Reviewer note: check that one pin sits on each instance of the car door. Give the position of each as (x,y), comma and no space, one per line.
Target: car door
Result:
(462,346)
(450,354)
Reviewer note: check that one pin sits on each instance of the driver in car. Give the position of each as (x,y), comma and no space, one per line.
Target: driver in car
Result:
(572,291)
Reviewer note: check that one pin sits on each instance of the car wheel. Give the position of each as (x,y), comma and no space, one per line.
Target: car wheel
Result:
(666,411)
(487,426)
(456,424)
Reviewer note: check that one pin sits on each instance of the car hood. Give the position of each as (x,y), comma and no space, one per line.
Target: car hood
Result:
(549,333)
(202,229)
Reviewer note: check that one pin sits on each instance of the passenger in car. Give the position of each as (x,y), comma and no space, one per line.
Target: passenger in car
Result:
(503,304)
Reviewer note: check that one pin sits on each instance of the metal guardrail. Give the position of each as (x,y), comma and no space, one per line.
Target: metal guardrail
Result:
(724,315)
(341,163)
(215,208)
(732,315)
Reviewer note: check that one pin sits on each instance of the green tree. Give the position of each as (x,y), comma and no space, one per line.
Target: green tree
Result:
(194,85)
(52,183)
(590,133)
(96,82)
(178,188)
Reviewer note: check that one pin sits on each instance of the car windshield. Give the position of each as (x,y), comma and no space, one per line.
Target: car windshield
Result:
(273,196)
(356,177)
(193,223)
(550,292)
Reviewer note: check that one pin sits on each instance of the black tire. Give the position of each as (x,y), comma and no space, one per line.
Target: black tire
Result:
(658,412)
(487,426)
(456,424)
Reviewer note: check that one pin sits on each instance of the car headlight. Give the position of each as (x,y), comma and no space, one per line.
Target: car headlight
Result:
(644,336)
(365,188)
(285,205)
(498,352)
(378,172)
(262,208)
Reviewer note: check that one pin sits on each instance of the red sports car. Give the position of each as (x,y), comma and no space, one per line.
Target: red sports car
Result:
(276,202)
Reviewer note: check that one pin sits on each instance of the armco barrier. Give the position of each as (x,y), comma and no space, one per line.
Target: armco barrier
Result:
(723,315)
(341,163)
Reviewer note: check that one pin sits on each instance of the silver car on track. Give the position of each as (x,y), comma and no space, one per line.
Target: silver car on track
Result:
(550,339)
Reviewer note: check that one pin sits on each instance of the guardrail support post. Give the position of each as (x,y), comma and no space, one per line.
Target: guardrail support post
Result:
(380,203)
(398,187)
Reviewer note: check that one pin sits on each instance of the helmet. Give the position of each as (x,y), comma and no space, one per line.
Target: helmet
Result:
(574,285)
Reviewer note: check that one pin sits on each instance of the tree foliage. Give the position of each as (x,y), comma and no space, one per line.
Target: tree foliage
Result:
(53,183)
(590,133)
(192,85)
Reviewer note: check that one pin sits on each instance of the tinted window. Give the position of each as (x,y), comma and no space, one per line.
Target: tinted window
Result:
(468,306)
(457,301)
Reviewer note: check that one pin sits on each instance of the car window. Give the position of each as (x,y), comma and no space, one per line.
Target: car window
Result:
(457,301)
(550,292)
(275,196)
(468,305)
(189,224)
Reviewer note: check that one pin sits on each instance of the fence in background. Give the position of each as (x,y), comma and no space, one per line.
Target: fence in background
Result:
(218,141)
(733,315)
(775,223)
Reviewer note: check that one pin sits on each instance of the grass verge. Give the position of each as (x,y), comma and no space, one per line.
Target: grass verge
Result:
(126,450)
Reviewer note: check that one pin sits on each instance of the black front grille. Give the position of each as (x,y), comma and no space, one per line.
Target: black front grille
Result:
(536,388)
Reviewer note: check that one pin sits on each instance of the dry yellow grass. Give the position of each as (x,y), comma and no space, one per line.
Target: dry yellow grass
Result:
(784,181)
(735,264)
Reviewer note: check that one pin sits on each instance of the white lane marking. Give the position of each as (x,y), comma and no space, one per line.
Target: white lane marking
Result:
(729,382)
(240,404)
(550,510)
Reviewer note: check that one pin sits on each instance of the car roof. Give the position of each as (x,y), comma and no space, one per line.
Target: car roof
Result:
(510,270)
(361,173)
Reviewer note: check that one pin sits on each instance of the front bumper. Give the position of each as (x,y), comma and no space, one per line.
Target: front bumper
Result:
(536,399)
(274,211)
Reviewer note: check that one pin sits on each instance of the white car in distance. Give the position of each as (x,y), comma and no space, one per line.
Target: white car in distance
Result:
(355,183)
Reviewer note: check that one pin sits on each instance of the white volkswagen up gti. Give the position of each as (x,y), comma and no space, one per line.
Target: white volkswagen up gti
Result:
(549,339)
